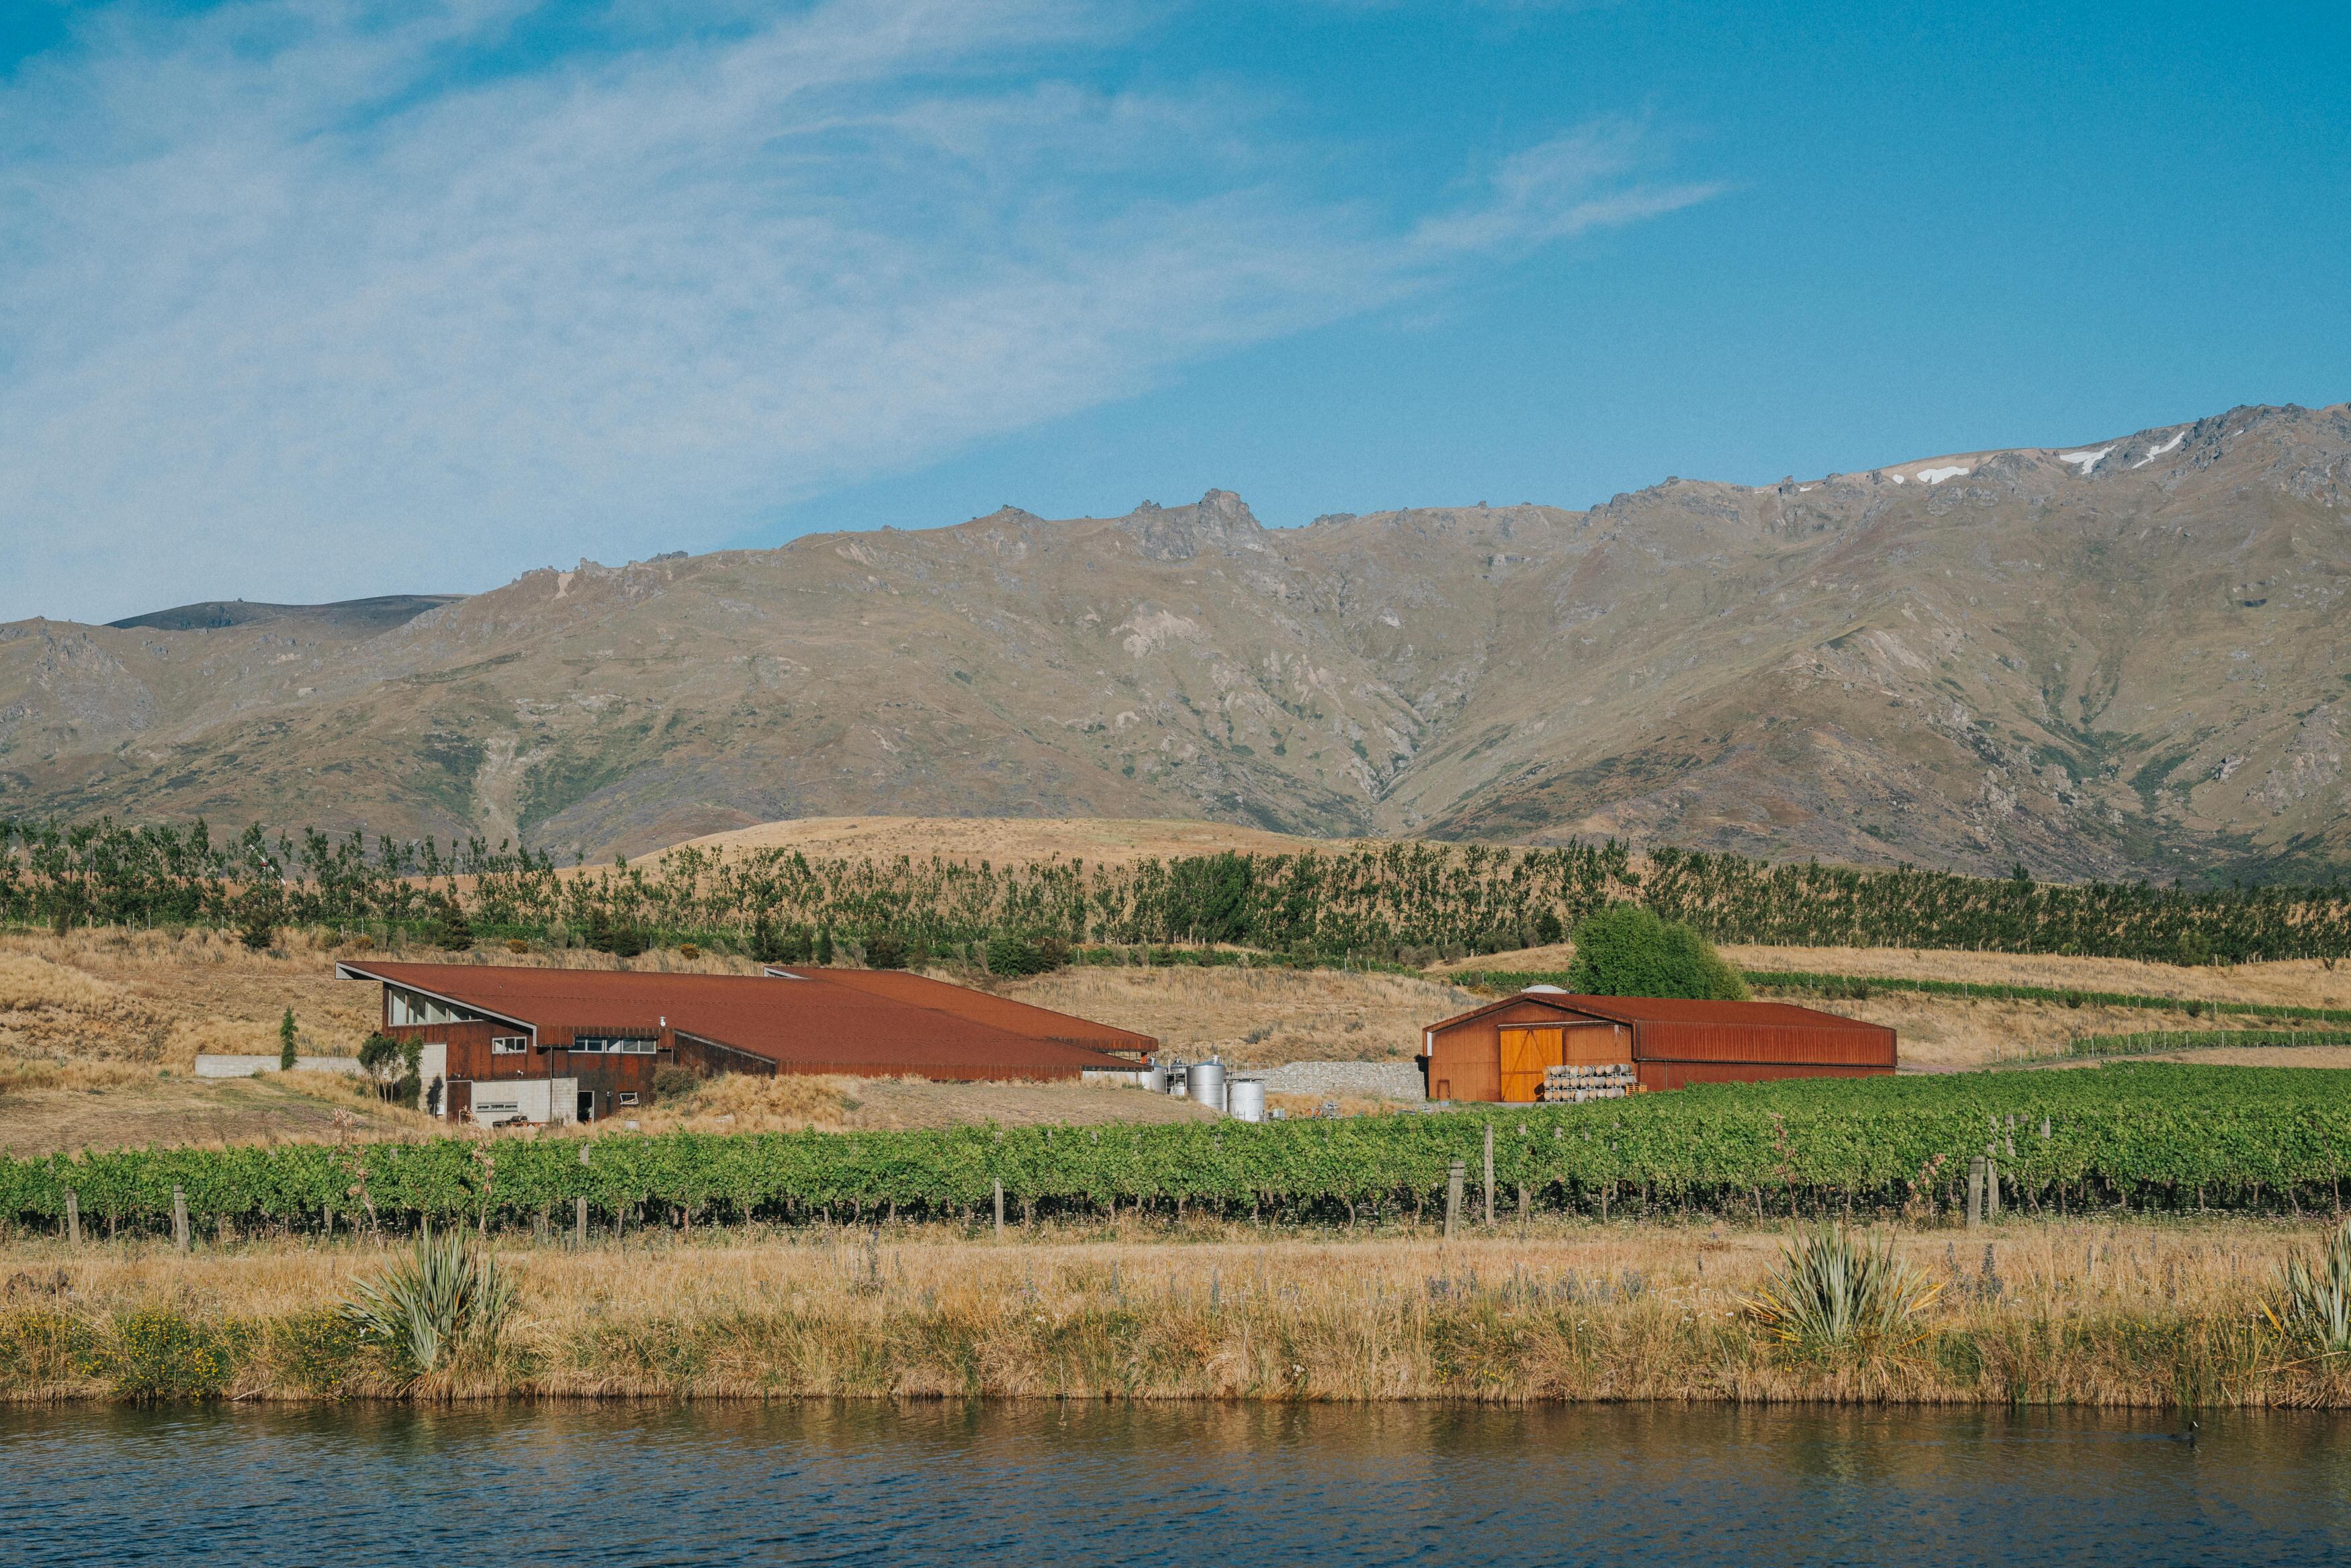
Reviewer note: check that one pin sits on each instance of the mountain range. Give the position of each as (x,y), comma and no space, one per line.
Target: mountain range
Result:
(2125,660)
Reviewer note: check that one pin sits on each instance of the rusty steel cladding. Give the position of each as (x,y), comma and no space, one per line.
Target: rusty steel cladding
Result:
(1668,1043)
(980,1006)
(808,1021)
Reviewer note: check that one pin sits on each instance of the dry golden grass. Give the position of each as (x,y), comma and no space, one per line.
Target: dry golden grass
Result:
(1255,1017)
(1557,956)
(99,1031)
(1950,1032)
(2062,1313)
(35,983)
(1110,841)
(739,1102)
(2337,1057)
(2300,982)
(1308,1105)
(892,1103)
(795,1104)
(158,998)
(520,954)
(90,1109)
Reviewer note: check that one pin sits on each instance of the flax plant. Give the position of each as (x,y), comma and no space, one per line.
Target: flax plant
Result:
(2317,1305)
(443,1301)
(1835,1289)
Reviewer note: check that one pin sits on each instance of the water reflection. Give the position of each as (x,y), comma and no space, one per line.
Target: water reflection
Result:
(1166,1484)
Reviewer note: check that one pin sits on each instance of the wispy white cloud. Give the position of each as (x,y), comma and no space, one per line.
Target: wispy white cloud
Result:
(315,298)
(1602,175)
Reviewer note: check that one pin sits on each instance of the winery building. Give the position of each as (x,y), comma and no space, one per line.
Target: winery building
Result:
(505,1045)
(1506,1050)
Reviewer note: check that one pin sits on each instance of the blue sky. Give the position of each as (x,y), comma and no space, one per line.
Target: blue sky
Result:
(309,300)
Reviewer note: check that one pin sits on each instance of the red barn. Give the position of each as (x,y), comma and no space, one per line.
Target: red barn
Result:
(506,1044)
(1503,1050)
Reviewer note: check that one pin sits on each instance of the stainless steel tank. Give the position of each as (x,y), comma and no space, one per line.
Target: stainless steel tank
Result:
(1154,1077)
(1206,1083)
(1245,1099)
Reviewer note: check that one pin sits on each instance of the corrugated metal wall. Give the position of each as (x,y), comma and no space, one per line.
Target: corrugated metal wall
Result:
(1713,1043)
(1850,1045)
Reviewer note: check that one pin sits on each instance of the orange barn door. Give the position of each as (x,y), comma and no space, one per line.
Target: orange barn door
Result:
(1525,1053)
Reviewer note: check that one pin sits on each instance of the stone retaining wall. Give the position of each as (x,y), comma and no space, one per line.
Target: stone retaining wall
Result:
(1388,1080)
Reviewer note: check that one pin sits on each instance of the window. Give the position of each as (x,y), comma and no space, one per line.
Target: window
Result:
(508,1044)
(628,1097)
(621,1046)
(406,1008)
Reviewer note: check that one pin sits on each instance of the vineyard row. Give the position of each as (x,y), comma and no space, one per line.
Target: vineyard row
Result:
(2149,1042)
(2160,1135)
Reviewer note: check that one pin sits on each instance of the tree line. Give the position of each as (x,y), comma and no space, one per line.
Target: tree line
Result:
(1404,902)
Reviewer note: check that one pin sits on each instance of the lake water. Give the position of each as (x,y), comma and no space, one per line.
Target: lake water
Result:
(1018,1483)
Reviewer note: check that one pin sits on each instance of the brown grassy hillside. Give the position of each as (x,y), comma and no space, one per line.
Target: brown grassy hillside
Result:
(2123,670)
(1109,841)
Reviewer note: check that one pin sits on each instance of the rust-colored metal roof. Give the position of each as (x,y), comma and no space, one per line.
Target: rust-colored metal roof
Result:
(807,1025)
(1669,1010)
(1676,1029)
(980,1006)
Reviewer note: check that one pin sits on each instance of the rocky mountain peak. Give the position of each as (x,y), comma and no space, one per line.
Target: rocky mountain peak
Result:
(1219,520)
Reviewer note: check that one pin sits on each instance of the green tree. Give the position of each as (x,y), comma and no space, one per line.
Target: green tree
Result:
(1012,955)
(885,950)
(286,1042)
(766,946)
(620,938)
(258,910)
(381,1059)
(1627,950)
(450,932)
(412,1077)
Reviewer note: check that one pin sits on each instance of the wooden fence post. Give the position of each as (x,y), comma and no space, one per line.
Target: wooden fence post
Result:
(1991,1189)
(999,1209)
(180,1217)
(1489,1175)
(1975,1191)
(580,1208)
(1453,1180)
(73,1219)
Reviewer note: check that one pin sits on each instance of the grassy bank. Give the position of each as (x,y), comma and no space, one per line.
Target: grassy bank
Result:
(2151,1315)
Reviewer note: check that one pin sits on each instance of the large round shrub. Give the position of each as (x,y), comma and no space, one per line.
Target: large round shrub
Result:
(1627,950)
